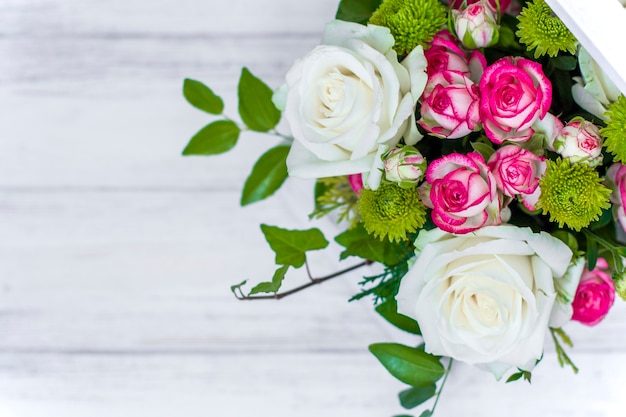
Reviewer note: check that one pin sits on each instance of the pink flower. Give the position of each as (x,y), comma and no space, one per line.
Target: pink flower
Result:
(616,178)
(356,182)
(404,166)
(477,25)
(462,193)
(580,141)
(445,54)
(595,295)
(517,172)
(450,105)
(504,4)
(514,94)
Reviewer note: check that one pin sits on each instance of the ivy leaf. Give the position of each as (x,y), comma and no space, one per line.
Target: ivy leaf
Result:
(255,103)
(273,286)
(290,245)
(215,138)
(410,365)
(389,311)
(412,397)
(268,174)
(426,413)
(202,97)
(358,11)
(236,287)
(360,243)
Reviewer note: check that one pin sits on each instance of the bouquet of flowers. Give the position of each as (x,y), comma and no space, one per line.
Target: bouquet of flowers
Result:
(473,149)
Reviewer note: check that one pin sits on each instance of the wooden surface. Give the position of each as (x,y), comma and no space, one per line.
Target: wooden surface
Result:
(116,253)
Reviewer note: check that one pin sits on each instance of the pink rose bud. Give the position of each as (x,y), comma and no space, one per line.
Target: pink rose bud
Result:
(517,172)
(450,105)
(463,195)
(595,295)
(405,166)
(514,95)
(616,179)
(356,182)
(445,54)
(477,25)
(580,141)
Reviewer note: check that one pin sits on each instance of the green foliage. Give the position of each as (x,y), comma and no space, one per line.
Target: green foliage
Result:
(518,375)
(615,131)
(360,243)
(335,194)
(268,174)
(410,365)
(202,97)
(274,285)
(255,103)
(290,245)
(540,29)
(389,311)
(215,138)
(384,285)
(358,11)
(612,250)
(412,397)
(560,351)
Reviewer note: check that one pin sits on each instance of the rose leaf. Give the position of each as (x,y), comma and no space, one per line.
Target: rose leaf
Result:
(215,138)
(202,97)
(290,245)
(410,365)
(389,311)
(358,11)
(268,174)
(256,108)
(412,397)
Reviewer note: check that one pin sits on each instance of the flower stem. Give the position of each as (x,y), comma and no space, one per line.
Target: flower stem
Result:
(443,383)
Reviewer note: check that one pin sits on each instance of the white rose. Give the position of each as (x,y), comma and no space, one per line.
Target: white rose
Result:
(349,100)
(485,297)
(595,90)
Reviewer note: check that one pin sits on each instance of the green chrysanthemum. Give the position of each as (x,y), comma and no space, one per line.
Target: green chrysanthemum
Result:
(412,22)
(540,29)
(615,131)
(391,211)
(572,194)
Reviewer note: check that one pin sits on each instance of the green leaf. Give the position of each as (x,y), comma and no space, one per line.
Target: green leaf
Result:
(268,174)
(236,287)
(360,243)
(255,103)
(202,97)
(290,245)
(273,286)
(482,148)
(592,252)
(410,365)
(215,138)
(389,311)
(358,11)
(426,413)
(413,397)
(565,63)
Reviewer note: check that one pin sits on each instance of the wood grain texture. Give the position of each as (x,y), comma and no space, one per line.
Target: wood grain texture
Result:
(116,254)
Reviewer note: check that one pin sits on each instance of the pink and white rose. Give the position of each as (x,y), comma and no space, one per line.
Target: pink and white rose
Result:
(477,25)
(462,193)
(595,295)
(484,298)
(514,94)
(405,166)
(445,54)
(450,105)
(504,4)
(616,179)
(517,172)
(349,100)
(580,142)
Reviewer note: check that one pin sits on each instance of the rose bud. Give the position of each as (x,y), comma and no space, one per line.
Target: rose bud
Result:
(477,25)
(595,295)
(405,166)
(504,4)
(580,141)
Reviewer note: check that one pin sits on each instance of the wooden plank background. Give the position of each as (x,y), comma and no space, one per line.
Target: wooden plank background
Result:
(116,254)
